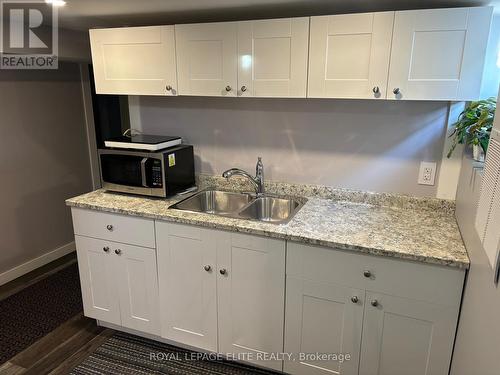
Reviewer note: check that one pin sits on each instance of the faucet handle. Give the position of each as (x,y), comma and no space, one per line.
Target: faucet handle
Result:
(259,166)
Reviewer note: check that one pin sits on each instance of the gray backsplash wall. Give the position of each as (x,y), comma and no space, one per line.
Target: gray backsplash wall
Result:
(358,144)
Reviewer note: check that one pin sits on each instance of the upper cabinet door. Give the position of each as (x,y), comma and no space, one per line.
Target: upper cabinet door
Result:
(134,60)
(272,57)
(438,54)
(207,58)
(349,55)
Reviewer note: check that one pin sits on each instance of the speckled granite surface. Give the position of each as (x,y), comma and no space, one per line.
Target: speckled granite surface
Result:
(417,229)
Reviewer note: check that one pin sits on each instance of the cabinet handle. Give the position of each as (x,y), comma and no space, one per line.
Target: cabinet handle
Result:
(243,88)
(168,87)
(118,251)
(374,303)
(223,271)
(376,90)
(396,91)
(109,227)
(106,249)
(207,268)
(354,299)
(228,88)
(367,273)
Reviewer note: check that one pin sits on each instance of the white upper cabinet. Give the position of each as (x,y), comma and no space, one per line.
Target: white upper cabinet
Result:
(438,54)
(435,54)
(134,60)
(272,57)
(207,58)
(349,55)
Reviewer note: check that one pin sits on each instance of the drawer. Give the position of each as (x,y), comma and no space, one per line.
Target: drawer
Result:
(426,282)
(113,227)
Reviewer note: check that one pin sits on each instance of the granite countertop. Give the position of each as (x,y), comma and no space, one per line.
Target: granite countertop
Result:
(422,230)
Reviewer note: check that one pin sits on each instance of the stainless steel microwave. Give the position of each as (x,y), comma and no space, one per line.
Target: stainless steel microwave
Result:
(158,174)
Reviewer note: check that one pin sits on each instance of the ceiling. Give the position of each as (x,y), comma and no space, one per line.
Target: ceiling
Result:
(85,14)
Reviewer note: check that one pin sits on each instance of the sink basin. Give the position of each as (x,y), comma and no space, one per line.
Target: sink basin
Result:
(215,202)
(269,209)
(272,209)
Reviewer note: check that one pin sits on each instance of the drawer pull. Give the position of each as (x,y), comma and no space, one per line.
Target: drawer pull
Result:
(367,273)
(354,299)
(118,251)
(223,271)
(105,249)
(109,227)
(208,268)
(374,303)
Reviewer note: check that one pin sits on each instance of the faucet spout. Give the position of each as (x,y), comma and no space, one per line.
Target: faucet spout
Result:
(257,181)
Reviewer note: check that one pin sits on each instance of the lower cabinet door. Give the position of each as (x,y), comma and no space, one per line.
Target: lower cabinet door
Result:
(404,336)
(187,276)
(98,268)
(251,287)
(323,325)
(138,288)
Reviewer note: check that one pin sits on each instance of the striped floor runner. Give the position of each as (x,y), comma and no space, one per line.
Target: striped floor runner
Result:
(124,354)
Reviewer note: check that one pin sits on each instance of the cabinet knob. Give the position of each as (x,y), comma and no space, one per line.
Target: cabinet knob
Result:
(105,249)
(396,91)
(376,90)
(168,87)
(223,271)
(109,227)
(118,251)
(208,268)
(228,88)
(367,273)
(354,299)
(374,303)
(243,88)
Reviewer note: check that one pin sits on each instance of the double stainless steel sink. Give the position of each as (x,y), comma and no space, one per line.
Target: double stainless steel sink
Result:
(266,208)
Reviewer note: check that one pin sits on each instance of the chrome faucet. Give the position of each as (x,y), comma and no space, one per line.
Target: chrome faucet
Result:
(257,181)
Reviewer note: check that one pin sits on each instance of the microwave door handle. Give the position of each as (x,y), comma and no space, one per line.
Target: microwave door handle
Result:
(143,172)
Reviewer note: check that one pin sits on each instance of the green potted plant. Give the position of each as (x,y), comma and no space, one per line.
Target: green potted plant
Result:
(473,127)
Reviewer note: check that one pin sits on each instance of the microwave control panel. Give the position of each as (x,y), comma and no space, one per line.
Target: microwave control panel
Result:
(156,174)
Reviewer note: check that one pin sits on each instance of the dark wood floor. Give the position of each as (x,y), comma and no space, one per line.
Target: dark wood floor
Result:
(62,349)
(59,351)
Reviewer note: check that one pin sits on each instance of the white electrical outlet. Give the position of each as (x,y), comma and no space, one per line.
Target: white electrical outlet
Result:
(427,173)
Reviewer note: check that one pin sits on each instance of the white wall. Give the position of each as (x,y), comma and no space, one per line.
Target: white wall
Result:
(358,144)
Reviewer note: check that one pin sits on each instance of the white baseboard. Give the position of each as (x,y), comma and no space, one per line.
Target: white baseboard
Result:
(33,264)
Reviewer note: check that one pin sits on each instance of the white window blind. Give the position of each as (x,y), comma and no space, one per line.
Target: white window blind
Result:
(488,212)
